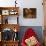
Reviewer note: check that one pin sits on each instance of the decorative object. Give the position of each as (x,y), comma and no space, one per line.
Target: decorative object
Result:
(31,41)
(13,12)
(15,37)
(7,34)
(15,34)
(30,38)
(29,12)
(5,12)
(15,3)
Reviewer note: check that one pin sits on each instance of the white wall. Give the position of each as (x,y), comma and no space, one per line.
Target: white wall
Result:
(32,22)
(27,4)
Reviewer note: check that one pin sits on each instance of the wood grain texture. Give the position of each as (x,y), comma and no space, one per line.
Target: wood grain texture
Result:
(10,26)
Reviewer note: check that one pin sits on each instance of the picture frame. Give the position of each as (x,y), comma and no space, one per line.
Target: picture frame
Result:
(29,12)
(13,12)
(5,12)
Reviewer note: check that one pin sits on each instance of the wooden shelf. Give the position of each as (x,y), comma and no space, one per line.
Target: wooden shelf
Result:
(9,43)
(8,11)
(11,26)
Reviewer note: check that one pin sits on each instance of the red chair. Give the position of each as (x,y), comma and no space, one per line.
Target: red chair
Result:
(29,33)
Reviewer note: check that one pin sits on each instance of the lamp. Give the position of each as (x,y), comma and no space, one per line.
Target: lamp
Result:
(15,3)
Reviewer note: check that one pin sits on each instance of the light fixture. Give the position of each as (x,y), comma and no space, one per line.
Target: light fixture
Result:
(15,2)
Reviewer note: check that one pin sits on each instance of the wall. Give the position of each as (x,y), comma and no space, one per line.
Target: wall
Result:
(29,4)
(32,22)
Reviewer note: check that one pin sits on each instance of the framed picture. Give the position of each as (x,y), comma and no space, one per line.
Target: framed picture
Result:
(5,12)
(29,12)
(12,12)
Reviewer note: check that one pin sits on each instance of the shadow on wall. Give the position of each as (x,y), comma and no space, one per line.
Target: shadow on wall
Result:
(37,29)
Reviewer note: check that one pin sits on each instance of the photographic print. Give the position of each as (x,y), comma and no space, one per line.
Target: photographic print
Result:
(5,12)
(29,12)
